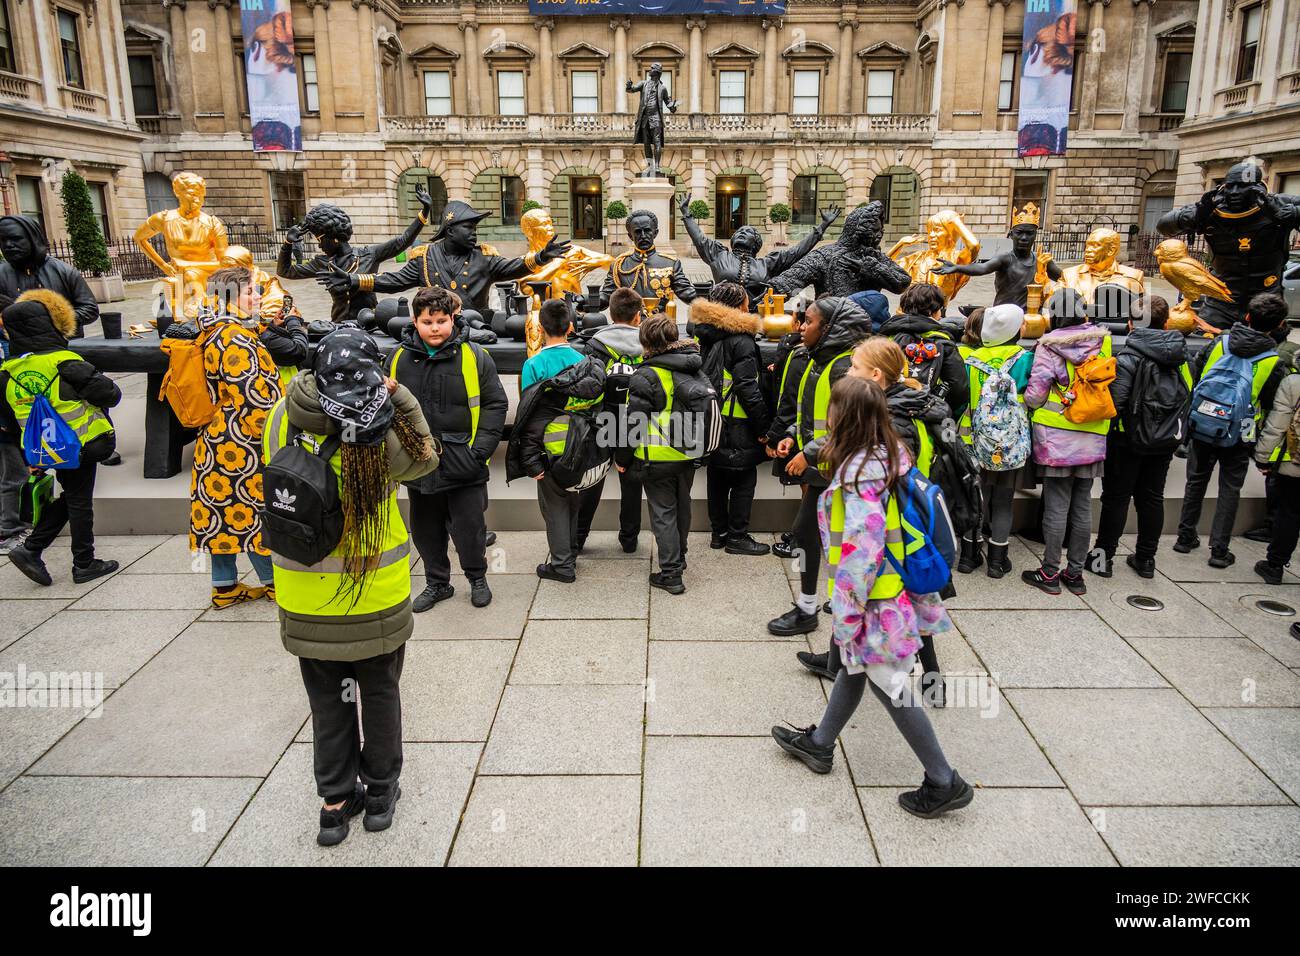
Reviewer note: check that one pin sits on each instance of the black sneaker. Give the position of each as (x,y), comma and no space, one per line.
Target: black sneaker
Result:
(379,810)
(95,569)
(1294,630)
(1145,567)
(792,622)
(1187,544)
(1047,583)
(480,595)
(31,565)
(334,824)
(112,460)
(1100,563)
(931,801)
(672,583)
(798,742)
(718,541)
(489,539)
(547,572)
(1221,559)
(998,563)
(816,663)
(628,544)
(430,596)
(785,549)
(1074,583)
(745,544)
(1263,534)
(827,609)
(1271,573)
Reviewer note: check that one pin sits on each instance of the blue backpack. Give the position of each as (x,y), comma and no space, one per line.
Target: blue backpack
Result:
(929,542)
(1223,406)
(49,441)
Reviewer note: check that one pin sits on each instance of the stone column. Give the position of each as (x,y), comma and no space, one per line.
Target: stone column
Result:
(1273,37)
(780,191)
(99,19)
(1091,64)
(536,187)
(225,63)
(1137,63)
(771,26)
(696,27)
(617,175)
(118,34)
(844,102)
(699,173)
(469,27)
(546,62)
(619,25)
(1203,53)
(946,67)
(324,64)
(46,43)
(993,62)
(183,100)
(369,79)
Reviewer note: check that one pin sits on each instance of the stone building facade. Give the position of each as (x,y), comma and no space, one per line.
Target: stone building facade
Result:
(911,102)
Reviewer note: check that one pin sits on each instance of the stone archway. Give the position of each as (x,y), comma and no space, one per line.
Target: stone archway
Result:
(828,189)
(499,192)
(899,188)
(408,207)
(561,199)
(753,210)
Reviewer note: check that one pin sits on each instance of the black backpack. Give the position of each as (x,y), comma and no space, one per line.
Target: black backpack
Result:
(926,369)
(954,469)
(619,370)
(303,517)
(695,396)
(1161,402)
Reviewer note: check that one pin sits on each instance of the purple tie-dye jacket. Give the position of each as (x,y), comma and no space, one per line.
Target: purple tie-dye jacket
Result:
(1055,352)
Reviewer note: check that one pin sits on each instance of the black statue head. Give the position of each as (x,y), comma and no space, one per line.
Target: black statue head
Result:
(864,227)
(642,229)
(656,71)
(331,226)
(21,241)
(1242,187)
(746,241)
(1022,237)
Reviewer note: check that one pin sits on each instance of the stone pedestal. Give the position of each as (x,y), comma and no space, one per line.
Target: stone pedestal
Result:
(656,196)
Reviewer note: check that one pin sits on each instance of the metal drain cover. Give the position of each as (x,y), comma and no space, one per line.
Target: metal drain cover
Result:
(1144,602)
(1275,607)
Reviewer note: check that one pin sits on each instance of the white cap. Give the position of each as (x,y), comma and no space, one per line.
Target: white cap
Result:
(1001,324)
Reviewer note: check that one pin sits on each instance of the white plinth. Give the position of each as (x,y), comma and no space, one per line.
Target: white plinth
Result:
(655,195)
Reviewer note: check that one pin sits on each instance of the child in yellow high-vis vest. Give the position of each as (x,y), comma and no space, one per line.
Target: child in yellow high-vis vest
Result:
(39,325)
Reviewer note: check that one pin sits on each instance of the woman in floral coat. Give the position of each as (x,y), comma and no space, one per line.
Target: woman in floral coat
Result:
(226,482)
(878,636)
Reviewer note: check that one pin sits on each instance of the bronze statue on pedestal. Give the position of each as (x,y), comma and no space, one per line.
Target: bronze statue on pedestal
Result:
(650,117)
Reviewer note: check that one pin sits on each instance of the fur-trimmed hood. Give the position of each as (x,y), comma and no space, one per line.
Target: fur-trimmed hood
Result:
(40,320)
(723,318)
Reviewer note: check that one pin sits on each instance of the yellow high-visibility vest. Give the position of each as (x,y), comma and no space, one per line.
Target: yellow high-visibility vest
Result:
(821,397)
(1052,412)
(995,356)
(888,583)
(31,375)
(657,445)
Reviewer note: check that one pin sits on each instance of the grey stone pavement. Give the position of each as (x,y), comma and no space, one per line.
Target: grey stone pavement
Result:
(606,723)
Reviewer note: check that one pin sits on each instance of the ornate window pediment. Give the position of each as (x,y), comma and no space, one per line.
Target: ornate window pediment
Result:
(733,51)
(808,50)
(582,50)
(433,56)
(660,52)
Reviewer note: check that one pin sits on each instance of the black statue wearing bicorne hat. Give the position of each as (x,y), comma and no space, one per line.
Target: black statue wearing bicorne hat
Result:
(453,260)
(1248,230)
(332,228)
(653,274)
(852,263)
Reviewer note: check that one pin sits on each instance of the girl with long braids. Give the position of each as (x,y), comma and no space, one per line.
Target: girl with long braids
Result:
(348,617)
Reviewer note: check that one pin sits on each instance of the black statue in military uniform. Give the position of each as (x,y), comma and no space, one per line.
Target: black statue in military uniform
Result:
(1248,230)
(650,116)
(653,274)
(740,263)
(332,228)
(853,263)
(454,260)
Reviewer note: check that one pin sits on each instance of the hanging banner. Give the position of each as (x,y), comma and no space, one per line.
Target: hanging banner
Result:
(1046,77)
(271,74)
(657,8)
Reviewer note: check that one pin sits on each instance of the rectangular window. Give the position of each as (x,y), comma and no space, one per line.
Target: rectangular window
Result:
(437,93)
(1251,21)
(70,45)
(99,200)
(880,91)
(881,189)
(1289,184)
(8,61)
(29,199)
(310,84)
(1007,81)
(288,202)
(144,86)
(731,91)
(803,201)
(512,199)
(1030,186)
(510,93)
(584,89)
(666,79)
(807,91)
(1178,74)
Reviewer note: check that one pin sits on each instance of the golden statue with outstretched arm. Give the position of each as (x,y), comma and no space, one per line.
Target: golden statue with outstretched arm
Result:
(195,241)
(564,274)
(947,238)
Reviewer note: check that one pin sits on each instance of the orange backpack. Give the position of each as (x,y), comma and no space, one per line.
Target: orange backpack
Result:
(1091,388)
(185,385)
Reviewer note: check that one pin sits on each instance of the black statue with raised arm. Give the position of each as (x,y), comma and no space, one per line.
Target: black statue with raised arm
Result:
(853,263)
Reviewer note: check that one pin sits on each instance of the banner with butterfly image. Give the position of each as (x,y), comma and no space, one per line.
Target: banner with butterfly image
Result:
(271,75)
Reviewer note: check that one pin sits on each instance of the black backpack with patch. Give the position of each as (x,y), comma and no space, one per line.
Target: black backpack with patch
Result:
(303,517)
(1161,403)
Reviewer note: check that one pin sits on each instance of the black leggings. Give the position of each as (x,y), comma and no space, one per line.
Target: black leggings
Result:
(808,540)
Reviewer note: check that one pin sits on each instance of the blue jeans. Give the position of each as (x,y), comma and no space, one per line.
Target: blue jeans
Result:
(225,573)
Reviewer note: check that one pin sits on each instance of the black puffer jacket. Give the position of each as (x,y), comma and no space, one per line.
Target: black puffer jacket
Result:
(726,338)
(287,343)
(539,405)
(952,383)
(438,385)
(42,271)
(909,405)
(646,396)
(1247,342)
(1166,349)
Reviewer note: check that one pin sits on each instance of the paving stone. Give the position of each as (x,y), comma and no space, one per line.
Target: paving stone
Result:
(29,731)
(1221,672)
(172,555)
(515,552)
(1202,836)
(117,821)
(1054,649)
(264,610)
(550,821)
(1193,567)
(604,545)
(720,607)
(742,801)
(456,619)
(450,689)
(1182,615)
(566,730)
(219,700)
(19,617)
(112,643)
(1268,736)
(979,591)
(127,592)
(1000,827)
(604,589)
(1139,748)
(1236,603)
(728,688)
(58,558)
(581,652)
(279,827)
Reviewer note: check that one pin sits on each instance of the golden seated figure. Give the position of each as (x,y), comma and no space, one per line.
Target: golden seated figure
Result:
(1100,268)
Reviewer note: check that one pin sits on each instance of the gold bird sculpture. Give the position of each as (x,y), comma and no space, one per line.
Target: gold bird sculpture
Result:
(1186,274)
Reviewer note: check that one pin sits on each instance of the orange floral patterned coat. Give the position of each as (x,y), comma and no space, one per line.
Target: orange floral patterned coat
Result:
(226,481)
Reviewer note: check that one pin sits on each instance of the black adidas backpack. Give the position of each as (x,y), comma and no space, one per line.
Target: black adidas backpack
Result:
(303,517)
(695,398)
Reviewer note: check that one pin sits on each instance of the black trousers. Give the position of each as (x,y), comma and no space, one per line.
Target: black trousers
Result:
(1233,464)
(75,506)
(629,507)
(1138,478)
(808,539)
(459,515)
(1285,515)
(668,492)
(334,688)
(731,498)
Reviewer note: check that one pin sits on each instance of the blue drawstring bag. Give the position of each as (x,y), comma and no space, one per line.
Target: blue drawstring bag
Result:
(49,441)
(929,542)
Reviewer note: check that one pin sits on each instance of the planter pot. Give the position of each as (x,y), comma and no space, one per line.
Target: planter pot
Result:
(107,288)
